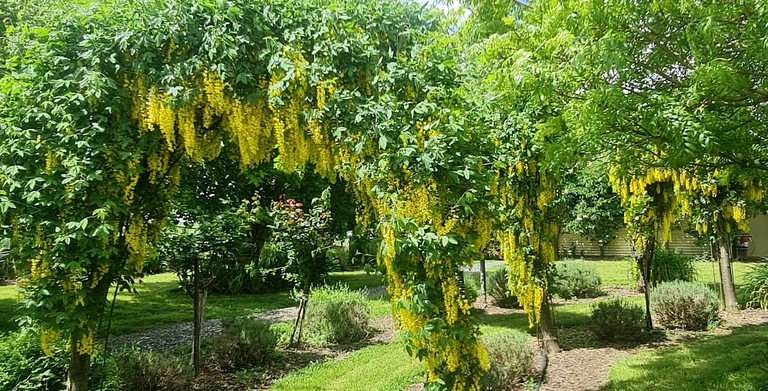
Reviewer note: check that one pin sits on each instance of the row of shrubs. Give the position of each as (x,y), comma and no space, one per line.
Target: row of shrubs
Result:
(677,304)
(578,279)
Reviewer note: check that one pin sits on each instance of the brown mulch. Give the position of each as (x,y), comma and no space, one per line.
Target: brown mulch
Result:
(585,362)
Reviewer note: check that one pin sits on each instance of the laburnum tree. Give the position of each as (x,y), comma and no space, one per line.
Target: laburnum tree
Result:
(518,92)
(102,105)
(675,93)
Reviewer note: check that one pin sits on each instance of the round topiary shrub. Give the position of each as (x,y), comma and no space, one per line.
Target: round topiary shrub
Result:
(511,359)
(576,279)
(336,314)
(684,305)
(244,342)
(498,289)
(615,320)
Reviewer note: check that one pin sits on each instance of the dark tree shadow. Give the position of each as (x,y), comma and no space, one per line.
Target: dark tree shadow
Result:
(9,310)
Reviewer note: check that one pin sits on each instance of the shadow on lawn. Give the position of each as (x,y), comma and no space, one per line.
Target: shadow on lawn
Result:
(9,310)
(738,361)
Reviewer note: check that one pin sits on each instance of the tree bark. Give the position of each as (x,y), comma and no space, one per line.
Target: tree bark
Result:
(726,273)
(77,374)
(547,324)
(483,282)
(198,321)
(645,273)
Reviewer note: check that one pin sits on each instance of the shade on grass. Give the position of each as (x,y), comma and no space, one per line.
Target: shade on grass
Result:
(736,362)
(385,367)
(8,305)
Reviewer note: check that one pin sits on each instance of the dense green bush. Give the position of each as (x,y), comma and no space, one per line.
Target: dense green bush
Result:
(669,265)
(244,342)
(498,289)
(511,358)
(25,367)
(755,287)
(617,320)
(150,370)
(471,286)
(336,314)
(684,305)
(576,279)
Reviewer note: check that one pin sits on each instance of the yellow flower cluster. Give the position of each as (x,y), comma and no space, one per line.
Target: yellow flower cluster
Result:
(48,337)
(136,239)
(40,269)
(87,344)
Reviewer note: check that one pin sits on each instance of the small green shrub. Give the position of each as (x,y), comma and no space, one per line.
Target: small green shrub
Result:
(614,320)
(151,370)
(24,366)
(668,265)
(576,279)
(244,343)
(511,359)
(755,287)
(498,289)
(684,305)
(471,286)
(336,314)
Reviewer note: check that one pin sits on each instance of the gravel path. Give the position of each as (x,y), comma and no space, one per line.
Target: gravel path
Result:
(179,334)
(488,265)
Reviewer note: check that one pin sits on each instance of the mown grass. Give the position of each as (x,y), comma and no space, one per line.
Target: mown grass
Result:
(159,302)
(8,307)
(736,362)
(385,367)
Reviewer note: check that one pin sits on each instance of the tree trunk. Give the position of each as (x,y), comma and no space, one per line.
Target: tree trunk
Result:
(77,375)
(645,273)
(726,273)
(198,321)
(483,287)
(547,324)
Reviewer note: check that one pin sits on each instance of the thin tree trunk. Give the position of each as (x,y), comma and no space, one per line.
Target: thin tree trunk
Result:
(726,274)
(77,375)
(547,324)
(483,287)
(198,322)
(645,272)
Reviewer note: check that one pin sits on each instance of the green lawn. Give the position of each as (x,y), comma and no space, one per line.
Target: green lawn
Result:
(736,362)
(385,367)
(8,304)
(159,303)
(717,363)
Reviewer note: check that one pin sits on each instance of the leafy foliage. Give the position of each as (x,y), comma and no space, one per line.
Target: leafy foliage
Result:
(669,265)
(150,370)
(227,246)
(593,210)
(336,314)
(498,289)
(617,320)
(306,240)
(576,279)
(511,360)
(244,343)
(755,286)
(685,305)
(26,367)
